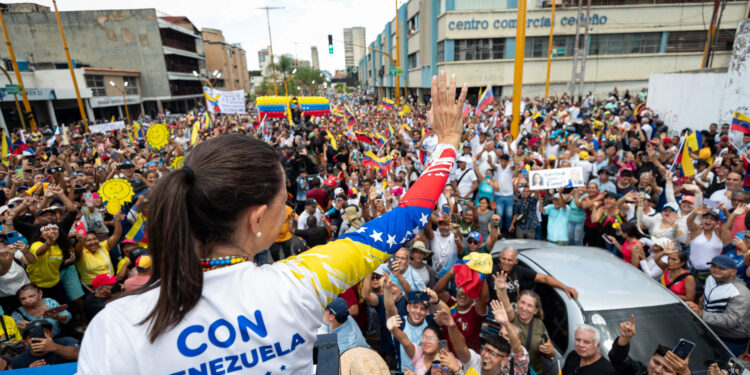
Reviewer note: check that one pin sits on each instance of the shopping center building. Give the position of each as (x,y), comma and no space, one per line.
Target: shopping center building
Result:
(475,40)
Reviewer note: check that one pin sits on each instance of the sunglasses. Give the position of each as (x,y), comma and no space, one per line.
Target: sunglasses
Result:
(472,241)
(376,276)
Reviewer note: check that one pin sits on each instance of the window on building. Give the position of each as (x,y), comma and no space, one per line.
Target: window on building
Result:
(695,41)
(96,84)
(413,60)
(412,25)
(498,48)
(132,88)
(478,49)
(441,51)
(615,44)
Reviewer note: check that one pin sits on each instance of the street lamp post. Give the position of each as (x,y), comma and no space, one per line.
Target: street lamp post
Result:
(123,91)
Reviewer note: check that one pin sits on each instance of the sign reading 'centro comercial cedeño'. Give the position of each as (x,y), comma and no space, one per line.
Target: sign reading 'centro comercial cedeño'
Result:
(510,23)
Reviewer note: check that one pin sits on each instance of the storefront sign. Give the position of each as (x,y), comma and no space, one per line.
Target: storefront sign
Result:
(510,23)
(31,93)
(108,101)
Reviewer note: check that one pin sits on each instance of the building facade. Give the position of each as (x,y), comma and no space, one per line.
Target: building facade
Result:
(354,45)
(475,40)
(264,61)
(314,58)
(155,55)
(229,59)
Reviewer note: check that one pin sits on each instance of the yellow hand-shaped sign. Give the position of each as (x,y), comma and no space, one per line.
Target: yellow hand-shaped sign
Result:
(116,192)
(158,136)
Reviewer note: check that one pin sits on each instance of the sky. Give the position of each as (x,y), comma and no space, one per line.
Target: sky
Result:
(299,26)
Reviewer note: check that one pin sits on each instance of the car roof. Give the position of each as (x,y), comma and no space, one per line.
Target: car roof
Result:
(519,245)
(603,281)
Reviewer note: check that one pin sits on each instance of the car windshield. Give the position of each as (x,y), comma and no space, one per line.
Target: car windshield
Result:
(660,325)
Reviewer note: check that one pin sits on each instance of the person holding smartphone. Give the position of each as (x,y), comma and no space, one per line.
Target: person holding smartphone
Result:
(663,361)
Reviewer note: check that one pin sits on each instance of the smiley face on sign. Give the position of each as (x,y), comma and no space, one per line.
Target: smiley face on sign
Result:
(157,136)
(116,192)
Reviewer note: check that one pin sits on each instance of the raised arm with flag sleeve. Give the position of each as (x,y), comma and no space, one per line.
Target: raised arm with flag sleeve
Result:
(334,267)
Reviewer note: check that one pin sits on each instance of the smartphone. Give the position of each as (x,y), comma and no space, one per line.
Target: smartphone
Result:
(61,308)
(710,204)
(446,209)
(683,348)
(19,172)
(454,218)
(417,295)
(443,344)
(544,338)
(12,237)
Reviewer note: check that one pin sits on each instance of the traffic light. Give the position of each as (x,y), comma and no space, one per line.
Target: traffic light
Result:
(330,44)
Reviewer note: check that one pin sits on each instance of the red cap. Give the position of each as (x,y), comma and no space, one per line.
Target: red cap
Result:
(725,139)
(127,241)
(332,181)
(667,140)
(103,279)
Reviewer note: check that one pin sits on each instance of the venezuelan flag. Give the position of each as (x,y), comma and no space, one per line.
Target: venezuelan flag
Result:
(485,99)
(206,121)
(391,132)
(466,110)
(422,156)
(371,160)
(363,137)
(380,140)
(692,143)
(332,139)
(740,123)
(471,271)
(5,150)
(387,104)
(195,132)
(137,231)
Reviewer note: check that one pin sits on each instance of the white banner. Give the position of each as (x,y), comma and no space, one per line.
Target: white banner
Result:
(107,126)
(556,178)
(225,101)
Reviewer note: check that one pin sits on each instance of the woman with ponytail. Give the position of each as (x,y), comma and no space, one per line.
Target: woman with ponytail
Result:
(207,308)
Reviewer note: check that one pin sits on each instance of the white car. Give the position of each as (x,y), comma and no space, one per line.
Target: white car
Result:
(609,290)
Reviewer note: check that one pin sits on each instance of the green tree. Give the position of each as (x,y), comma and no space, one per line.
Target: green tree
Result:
(308,75)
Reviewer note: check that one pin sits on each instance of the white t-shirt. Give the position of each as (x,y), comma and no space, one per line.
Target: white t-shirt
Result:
(231,326)
(504,177)
(484,161)
(465,183)
(302,221)
(13,280)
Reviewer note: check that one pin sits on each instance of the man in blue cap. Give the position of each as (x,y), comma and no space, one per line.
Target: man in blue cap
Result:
(336,319)
(725,304)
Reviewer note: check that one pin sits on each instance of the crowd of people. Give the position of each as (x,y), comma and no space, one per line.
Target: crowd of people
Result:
(64,252)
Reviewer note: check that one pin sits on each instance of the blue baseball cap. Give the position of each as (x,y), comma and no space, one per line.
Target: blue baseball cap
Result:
(338,308)
(475,236)
(723,261)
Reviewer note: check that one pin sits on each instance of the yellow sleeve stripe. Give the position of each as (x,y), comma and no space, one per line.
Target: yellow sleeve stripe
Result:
(335,266)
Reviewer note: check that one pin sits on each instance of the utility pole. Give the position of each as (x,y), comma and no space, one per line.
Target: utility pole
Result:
(585,52)
(72,73)
(26,104)
(518,67)
(549,49)
(397,77)
(579,56)
(270,46)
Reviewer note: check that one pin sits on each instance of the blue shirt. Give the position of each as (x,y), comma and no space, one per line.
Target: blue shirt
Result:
(414,333)
(557,225)
(21,314)
(349,335)
(302,192)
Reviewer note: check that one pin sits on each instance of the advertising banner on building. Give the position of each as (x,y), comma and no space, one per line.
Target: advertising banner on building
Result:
(555,178)
(107,126)
(225,101)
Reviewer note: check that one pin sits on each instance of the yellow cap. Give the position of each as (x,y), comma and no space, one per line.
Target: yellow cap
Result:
(584,155)
(552,157)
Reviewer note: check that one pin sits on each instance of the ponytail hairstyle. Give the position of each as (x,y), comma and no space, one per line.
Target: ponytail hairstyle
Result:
(196,208)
